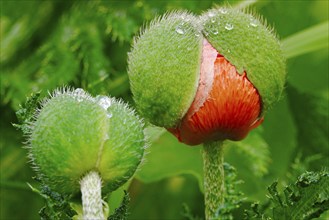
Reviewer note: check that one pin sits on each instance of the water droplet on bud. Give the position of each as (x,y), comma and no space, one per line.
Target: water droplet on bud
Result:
(79,94)
(179,30)
(223,11)
(253,22)
(104,101)
(211,14)
(215,31)
(229,26)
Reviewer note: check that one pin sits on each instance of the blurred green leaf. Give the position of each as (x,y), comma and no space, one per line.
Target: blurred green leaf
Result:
(310,113)
(17,29)
(306,41)
(250,155)
(167,157)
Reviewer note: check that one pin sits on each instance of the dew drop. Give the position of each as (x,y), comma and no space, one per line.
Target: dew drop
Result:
(79,94)
(197,34)
(213,20)
(104,101)
(106,137)
(229,26)
(223,11)
(179,30)
(211,14)
(253,22)
(215,31)
(109,115)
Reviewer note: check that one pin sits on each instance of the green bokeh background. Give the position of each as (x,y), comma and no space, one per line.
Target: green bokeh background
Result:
(46,44)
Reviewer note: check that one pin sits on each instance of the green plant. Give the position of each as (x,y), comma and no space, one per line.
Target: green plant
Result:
(84,44)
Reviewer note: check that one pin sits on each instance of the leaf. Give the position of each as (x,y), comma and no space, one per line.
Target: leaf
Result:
(306,41)
(26,113)
(252,159)
(187,213)
(252,152)
(233,198)
(16,29)
(167,157)
(121,213)
(306,199)
(279,133)
(310,113)
(57,206)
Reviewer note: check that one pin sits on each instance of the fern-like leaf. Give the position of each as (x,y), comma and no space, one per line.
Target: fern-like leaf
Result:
(306,199)
(57,206)
(26,113)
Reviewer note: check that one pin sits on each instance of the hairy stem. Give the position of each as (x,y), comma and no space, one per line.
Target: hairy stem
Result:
(92,205)
(213,158)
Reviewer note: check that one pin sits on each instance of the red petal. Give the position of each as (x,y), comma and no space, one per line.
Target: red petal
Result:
(229,111)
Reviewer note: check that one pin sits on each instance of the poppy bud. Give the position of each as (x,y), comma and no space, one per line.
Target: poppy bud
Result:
(209,78)
(74,134)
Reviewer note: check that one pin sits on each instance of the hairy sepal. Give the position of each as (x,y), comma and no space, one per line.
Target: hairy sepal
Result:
(251,47)
(164,67)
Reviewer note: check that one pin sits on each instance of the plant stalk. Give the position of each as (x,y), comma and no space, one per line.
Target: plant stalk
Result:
(213,158)
(92,203)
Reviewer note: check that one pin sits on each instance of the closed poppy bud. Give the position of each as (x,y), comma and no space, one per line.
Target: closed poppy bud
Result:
(75,134)
(208,78)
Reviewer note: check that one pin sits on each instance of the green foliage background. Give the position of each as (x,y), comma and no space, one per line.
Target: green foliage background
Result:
(46,44)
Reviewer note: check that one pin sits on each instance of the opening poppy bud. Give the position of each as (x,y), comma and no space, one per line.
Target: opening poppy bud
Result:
(226,105)
(227,76)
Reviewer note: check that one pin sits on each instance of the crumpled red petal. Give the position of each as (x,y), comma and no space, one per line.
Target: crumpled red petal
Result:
(230,109)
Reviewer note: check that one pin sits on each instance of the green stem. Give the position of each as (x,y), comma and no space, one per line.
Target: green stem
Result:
(213,158)
(92,203)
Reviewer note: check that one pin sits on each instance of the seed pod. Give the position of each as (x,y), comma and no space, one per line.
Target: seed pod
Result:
(74,133)
(207,87)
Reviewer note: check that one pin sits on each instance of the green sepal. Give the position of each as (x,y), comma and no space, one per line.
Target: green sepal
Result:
(124,149)
(251,47)
(164,68)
